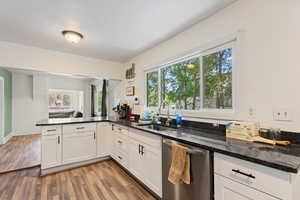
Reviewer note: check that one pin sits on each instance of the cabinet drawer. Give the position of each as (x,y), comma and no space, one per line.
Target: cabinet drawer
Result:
(121,158)
(72,128)
(120,143)
(51,130)
(146,138)
(266,179)
(120,129)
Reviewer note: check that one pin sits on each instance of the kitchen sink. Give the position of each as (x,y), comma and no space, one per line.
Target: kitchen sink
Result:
(160,128)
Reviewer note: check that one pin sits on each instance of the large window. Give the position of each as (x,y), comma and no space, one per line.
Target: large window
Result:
(180,84)
(199,82)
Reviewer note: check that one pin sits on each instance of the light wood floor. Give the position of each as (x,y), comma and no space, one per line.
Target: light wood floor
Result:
(103,181)
(20,152)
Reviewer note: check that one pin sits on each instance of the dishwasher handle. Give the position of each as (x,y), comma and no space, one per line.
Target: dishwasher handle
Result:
(190,150)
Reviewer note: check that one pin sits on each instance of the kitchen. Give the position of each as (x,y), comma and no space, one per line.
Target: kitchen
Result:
(233,125)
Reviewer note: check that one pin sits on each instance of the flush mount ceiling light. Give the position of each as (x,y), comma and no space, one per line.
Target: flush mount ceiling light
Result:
(72,36)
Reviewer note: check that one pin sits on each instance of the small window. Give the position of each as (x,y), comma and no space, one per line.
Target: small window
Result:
(152,89)
(180,84)
(217,80)
(64,103)
(98,101)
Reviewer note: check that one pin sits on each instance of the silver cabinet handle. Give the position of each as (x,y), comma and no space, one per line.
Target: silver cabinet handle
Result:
(51,130)
(94,136)
(58,139)
(79,128)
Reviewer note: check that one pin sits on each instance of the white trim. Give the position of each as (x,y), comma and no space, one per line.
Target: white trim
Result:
(6,138)
(32,133)
(2,130)
(197,51)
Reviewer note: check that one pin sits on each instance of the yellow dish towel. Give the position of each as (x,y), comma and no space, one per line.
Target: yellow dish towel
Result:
(180,166)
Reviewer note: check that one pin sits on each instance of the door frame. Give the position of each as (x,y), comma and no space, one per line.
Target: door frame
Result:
(2,110)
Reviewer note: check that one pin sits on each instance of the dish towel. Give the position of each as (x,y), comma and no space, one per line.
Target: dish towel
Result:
(180,166)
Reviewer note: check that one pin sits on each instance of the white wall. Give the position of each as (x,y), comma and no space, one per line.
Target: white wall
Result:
(268,70)
(26,57)
(30,99)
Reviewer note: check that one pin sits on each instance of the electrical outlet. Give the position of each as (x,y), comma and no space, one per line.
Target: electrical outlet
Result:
(282,115)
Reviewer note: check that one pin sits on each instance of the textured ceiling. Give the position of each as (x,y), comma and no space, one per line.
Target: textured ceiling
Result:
(113,29)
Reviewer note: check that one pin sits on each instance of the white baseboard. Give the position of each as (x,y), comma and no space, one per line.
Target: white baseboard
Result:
(33,133)
(6,138)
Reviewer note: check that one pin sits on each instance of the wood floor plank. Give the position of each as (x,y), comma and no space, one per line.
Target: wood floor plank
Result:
(101,181)
(20,152)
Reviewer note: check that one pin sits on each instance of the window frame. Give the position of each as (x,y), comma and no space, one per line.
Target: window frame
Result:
(146,88)
(229,42)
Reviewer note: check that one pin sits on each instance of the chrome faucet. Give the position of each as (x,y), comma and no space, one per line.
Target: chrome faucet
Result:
(168,122)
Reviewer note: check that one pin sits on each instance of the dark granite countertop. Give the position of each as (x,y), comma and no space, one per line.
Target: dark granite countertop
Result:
(278,157)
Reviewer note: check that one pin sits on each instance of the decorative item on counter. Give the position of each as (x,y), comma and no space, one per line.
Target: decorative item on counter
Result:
(123,111)
(153,117)
(272,136)
(146,114)
(242,130)
(178,118)
(130,91)
(130,73)
(251,131)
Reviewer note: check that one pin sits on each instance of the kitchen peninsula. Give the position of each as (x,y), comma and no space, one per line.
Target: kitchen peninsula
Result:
(69,143)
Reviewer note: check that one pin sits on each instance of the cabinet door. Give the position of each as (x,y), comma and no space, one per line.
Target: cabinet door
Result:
(226,189)
(79,147)
(152,169)
(136,164)
(51,151)
(104,139)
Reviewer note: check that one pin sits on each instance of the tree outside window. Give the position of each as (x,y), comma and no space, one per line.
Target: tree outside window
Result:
(180,84)
(152,89)
(217,68)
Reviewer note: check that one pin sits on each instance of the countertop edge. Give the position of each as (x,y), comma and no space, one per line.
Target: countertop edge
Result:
(243,157)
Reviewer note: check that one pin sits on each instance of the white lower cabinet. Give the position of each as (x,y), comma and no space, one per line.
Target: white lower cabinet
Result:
(135,159)
(237,179)
(79,146)
(227,189)
(51,151)
(104,139)
(145,159)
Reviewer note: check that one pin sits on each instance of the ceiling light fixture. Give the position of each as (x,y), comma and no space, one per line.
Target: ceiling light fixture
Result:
(72,36)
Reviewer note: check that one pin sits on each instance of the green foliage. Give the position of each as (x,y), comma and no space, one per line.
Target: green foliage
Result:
(217,69)
(181,85)
(99,100)
(152,89)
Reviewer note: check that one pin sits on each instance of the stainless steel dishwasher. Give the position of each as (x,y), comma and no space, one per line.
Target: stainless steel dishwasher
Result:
(201,175)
